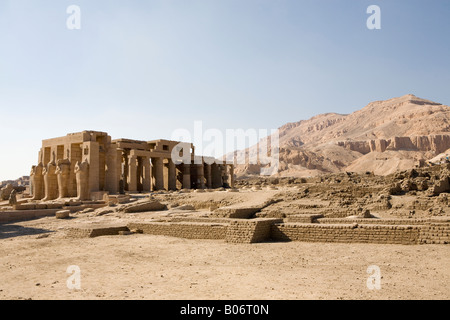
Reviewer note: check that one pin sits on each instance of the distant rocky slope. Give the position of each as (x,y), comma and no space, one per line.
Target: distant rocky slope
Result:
(383,137)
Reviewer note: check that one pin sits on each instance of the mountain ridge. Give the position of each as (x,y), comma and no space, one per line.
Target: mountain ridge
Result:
(405,130)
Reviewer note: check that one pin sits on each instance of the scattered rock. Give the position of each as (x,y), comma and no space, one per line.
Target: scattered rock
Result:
(186,207)
(5,192)
(62,214)
(146,206)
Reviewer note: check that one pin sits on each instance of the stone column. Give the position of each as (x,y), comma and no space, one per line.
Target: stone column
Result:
(158,173)
(231,175)
(132,173)
(166,173)
(63,174)
(37,181)
(224,176)
(186,176)
(112,175)
(50,182)
(216,176)
(82,176)
(179,176)
(200,176)
(208,175)
(119,161)
(91,153)
(146,177)
(125,170)
(139,174)
(172,175)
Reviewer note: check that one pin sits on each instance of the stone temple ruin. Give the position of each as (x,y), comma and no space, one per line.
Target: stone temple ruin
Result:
(88,164)
(119,187)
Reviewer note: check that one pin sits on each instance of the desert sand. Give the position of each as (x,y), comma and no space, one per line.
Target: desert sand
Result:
(35,255)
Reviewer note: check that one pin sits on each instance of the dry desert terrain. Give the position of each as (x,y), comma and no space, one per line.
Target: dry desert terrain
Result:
(35,255)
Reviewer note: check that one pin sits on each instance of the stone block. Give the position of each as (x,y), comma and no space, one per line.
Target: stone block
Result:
(145,206)
(62,214)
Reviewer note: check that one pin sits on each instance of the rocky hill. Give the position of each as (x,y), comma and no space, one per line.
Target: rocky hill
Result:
(382,137)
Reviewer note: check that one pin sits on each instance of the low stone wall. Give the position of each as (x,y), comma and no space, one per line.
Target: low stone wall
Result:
(188,230)
(39,206)
(36,211)
(374,221)
(250,231)
(258,230)
(437,233)
(15,216)
(304,218)
(199,219)
(346,233)
(279,214)
(236,213)
(95,231)
(84,206)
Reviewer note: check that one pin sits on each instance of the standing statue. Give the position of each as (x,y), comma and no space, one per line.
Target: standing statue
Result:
(50,182)
(63,172)
(37,181)
(5,192)
(13,198)
(82,176)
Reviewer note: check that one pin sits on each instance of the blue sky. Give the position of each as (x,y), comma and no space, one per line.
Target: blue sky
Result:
(141,69)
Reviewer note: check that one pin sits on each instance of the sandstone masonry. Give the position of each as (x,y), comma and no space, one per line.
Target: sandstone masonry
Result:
(89,163)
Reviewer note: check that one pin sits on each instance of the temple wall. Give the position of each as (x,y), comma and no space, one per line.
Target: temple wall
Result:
(118,166)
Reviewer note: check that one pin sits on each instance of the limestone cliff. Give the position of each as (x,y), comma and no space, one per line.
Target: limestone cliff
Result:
(404,130)
(435,143)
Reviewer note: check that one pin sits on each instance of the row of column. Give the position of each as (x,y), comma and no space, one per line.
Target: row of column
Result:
(208,176)
(138,174)
(163,174)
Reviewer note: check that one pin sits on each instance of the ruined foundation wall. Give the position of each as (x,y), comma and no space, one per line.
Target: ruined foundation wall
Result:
(94,231)
(198,219)
(235,213)
(373,221)
(346,233)
(435,233)
(16,216)
(250,231)
(187,230)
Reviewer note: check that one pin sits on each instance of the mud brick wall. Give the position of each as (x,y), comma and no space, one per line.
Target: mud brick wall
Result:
(235,213)
(14,216)
(304,218)
(373,221)
(93,232)
(198,219)
(250,231)
(436,233)
(188,230)
(346,233)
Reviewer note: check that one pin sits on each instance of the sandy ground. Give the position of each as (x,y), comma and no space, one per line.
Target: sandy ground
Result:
(142,266)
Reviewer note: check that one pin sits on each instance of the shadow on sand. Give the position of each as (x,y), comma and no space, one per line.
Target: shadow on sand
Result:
(13,230)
